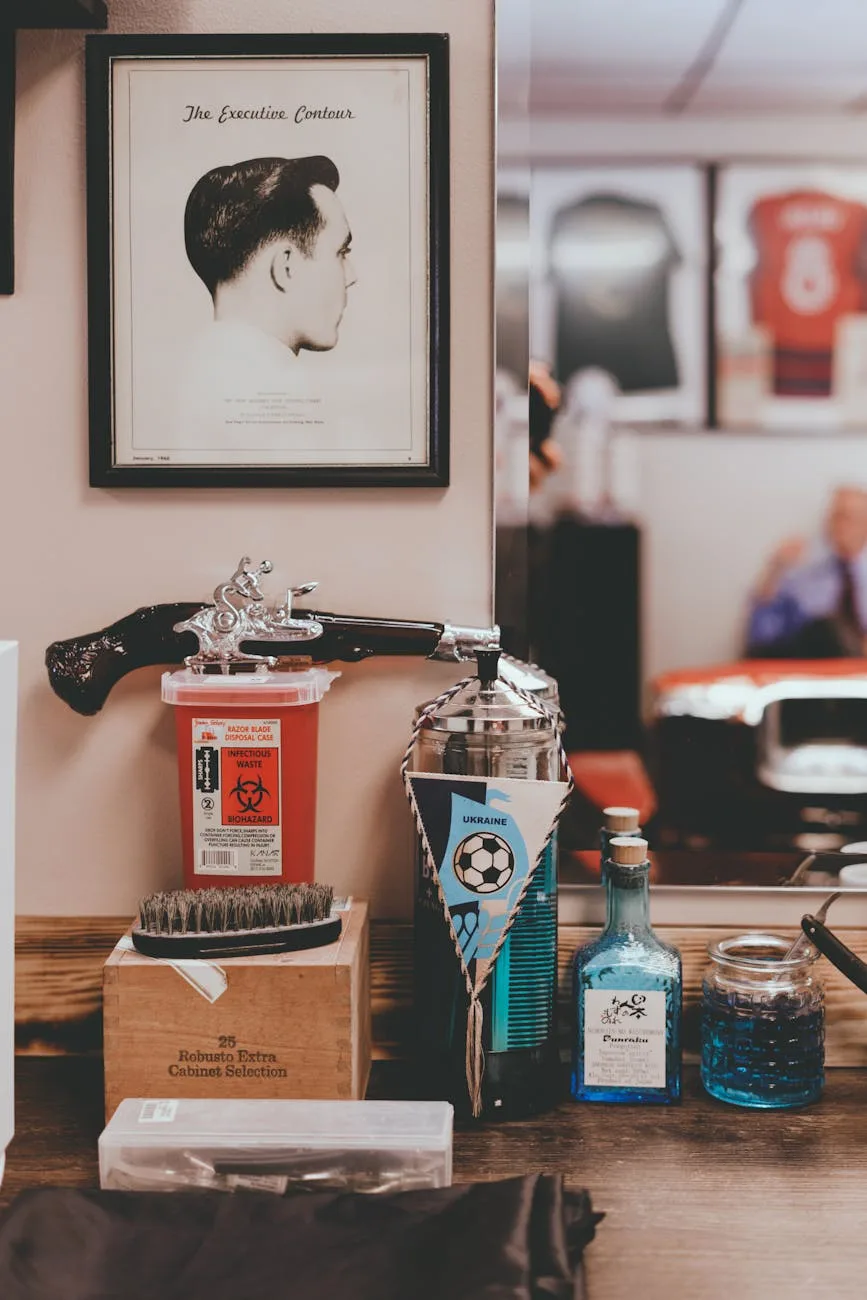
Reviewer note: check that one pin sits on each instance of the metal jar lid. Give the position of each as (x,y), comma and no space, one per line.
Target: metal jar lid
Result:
(531,678)
(488,705)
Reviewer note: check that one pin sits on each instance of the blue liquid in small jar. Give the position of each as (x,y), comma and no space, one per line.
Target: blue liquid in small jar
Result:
(762,1047)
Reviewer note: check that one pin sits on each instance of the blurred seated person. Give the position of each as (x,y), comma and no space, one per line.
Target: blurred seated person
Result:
(811,601)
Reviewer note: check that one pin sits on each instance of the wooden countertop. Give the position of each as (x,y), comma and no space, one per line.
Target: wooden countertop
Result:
(703,1201)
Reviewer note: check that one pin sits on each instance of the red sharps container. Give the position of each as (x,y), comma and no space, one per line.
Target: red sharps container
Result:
(247,746)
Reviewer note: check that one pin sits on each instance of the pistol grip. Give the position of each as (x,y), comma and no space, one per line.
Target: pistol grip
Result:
(83,669)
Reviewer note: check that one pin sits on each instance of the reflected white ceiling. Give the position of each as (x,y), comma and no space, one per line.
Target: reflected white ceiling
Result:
(694,56)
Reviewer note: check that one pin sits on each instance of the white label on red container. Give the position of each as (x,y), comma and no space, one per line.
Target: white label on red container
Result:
(624,1038)
(236,797)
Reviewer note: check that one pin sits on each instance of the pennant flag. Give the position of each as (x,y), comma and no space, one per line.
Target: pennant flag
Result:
(483,839)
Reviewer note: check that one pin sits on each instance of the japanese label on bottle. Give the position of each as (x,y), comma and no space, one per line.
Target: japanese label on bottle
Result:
(624,1038)
(236,797)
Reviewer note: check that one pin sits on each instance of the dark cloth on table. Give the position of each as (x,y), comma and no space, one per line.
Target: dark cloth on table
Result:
(515,1240)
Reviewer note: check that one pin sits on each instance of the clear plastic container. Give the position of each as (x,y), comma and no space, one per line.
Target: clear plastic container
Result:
(247,753)
(279,1146)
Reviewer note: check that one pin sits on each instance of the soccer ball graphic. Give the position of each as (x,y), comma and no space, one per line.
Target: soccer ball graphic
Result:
(484,863)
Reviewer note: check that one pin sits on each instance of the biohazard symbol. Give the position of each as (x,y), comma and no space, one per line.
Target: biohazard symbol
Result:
(249,794)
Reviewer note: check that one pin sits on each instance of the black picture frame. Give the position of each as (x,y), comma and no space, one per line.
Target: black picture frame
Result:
(7,159)
(112,464)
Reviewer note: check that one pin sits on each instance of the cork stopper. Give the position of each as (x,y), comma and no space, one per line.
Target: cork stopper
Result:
(628,853)
(620,819)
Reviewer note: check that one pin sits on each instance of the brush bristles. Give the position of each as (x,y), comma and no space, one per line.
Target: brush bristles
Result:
(252,907)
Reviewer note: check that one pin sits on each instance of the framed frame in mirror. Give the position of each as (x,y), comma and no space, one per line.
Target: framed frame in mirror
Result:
(624,252)
(791,297)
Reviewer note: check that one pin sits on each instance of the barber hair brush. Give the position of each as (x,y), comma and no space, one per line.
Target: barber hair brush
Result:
(235,922)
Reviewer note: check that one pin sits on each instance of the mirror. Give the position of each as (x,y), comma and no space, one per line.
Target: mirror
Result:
(512,324)
(695,551)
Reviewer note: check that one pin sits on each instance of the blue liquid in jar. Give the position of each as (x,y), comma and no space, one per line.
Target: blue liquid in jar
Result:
(762,1053)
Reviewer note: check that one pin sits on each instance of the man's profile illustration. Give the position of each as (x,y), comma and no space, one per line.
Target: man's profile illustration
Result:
(269,239)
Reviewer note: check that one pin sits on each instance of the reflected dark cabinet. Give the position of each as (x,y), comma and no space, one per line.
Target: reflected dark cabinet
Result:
(585,625)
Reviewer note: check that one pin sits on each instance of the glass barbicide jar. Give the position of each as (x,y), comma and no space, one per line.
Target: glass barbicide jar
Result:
(488,730)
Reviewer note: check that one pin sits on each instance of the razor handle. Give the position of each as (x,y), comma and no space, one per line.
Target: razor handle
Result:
(83,670)
(847,962)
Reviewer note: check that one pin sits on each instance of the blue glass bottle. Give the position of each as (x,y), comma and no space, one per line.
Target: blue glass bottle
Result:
(627,994)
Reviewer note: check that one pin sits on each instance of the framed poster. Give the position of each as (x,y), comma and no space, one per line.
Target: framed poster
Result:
(790,301)
(268,260)
(621,286)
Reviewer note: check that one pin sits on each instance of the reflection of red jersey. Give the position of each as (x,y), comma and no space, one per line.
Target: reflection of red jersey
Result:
(811,259)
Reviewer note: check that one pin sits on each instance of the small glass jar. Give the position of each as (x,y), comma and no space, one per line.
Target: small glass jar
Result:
(762,1024)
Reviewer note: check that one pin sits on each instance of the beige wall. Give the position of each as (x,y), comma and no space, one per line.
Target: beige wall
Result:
(97,803)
